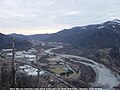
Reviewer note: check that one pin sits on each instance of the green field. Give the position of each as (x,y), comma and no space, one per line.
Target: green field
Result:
(57,70)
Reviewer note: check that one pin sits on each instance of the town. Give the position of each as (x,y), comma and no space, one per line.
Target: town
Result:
(37,62)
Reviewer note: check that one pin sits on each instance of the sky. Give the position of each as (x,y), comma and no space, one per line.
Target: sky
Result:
(50,16)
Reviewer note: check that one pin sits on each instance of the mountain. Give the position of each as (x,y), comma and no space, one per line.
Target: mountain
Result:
(20,36)
(36,37)
(17,35)
(91,36)
(6,42)
(92,41)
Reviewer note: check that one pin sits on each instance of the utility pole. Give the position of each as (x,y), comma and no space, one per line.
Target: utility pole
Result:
(38,67)
(13,66)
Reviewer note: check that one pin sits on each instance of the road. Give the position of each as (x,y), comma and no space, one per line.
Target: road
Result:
(29,63)
(105,77)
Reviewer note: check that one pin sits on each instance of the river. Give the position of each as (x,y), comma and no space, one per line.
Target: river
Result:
(105,78)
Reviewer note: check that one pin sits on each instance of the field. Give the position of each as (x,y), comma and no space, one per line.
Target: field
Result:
(57,70)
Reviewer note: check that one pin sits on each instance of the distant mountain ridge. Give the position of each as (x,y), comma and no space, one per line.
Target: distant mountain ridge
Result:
(6,42)
(17,35)
(100,42)
(36,37)
(91,36)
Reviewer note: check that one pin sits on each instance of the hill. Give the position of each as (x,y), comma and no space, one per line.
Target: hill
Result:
(35,37)
(91,36)
(103,35)
(6,42)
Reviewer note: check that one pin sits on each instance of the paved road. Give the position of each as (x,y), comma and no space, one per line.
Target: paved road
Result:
(69,85)
(105,77)
(29,63)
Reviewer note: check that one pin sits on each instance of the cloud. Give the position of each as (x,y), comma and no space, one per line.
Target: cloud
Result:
(73,13)
(49,15)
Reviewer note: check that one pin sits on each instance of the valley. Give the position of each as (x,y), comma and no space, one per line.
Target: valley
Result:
(80,57)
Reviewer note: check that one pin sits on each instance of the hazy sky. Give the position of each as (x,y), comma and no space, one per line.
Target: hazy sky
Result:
(49,16)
